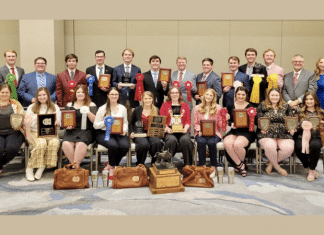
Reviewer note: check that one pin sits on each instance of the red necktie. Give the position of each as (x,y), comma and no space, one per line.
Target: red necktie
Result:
(180,77)
(295,79)
(13,72)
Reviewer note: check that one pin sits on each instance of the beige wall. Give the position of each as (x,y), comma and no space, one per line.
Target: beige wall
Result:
(9,38)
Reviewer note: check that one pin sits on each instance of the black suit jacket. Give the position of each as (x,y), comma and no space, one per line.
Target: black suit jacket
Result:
(263,84)
(99,96)
(158,92)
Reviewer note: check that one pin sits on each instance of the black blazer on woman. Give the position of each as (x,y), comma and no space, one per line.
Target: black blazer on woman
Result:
(136,116)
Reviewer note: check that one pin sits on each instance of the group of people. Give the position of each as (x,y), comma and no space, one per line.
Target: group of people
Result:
(299,93)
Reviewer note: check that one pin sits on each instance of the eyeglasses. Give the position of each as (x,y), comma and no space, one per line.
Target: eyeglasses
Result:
(298,62)
(40,63)
(99,56)
(174,93)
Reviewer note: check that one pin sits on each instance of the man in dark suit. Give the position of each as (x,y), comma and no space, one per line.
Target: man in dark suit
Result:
(252,68)
(10,67)
(127,93)
(298,82)
(151,83)
(212,79)
(99,94)
(63,79)
(32,81)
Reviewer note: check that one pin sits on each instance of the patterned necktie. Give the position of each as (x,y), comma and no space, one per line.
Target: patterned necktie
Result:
(180,77)
(295,79)
(72,75)
(100,70)
(13,72)
(155,78)
(127,69)
(204,78)
(41,80)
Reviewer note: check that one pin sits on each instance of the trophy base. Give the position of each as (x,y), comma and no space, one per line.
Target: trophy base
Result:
(177,128)
(165,183)
(163,170)
(127,84)
(140,135)
(166,190)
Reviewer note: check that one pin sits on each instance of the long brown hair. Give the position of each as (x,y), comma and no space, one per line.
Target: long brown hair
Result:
(87,99)
(153,108)
(180,95)
(303,111)
(50,105)
(268,103)
(108,109)
(213,108)
(317,70)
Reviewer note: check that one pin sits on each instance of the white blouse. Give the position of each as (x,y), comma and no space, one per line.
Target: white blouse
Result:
(100,116)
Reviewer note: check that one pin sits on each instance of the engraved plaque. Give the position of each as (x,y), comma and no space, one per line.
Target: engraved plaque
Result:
(321,126)
(46,125)
(241,118)
(68,118)
(104,81)
(207,127)
(291,123)
(117,126)
(156,126)
(264,123)
(16,120)
(227,79)
(315,122)
(201,88)
(164,75)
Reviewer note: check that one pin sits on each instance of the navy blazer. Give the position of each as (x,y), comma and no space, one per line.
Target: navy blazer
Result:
(228,97)
(28,86)
(117,78)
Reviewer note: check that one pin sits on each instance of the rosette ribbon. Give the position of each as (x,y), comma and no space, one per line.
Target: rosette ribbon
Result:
(90,80)
(139,87)
(255,95)
(188,86)
(109,120)
(223,113)
(307,126)
(272,81)
(84,110)
(72,84)
(252,112)
(176,84)
(11,82)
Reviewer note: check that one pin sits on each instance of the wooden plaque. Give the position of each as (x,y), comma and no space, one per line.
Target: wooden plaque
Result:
(156,126)
(117,126)
(241,118)
(104,81)
(227,79)
(291,123)
(207,127)
(264,123)
(321,126)
(315,122)
(164,75)
(68,118)
(201,88)
(46,125)
(16,120)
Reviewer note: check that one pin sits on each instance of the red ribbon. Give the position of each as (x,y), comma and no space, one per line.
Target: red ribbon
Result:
(139,87)
(252,112)
(188,85)
(176,84)
(223,113)
(72,85)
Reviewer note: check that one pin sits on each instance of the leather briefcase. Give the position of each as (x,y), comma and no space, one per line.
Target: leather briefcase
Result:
(68,178)
(130,177)
(197,176)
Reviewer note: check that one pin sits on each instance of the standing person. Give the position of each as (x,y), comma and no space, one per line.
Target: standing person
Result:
(127,94)
(228,97)
(118,145)
(212,79)
(183,75)
(319,73)
(62,86)
(32,81)
(44,153)
(298,82)
(277,137)
(99,94)
(251,67)
(10,139)
(208,110)
(310,107)
(175,140)
(151,83)
(10,57)
(269,58)
(76,139)
(144,145)
(238,140)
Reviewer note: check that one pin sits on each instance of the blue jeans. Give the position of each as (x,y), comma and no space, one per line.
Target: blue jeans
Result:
(201,149)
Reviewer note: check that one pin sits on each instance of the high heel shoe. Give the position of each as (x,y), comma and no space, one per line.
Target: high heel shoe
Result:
(241,170)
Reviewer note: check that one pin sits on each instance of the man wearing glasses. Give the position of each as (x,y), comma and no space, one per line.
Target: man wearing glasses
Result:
(99,94)
(298,82)
(32,81)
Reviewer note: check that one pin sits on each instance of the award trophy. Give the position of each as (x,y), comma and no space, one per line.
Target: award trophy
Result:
(68,118)
(164,175)
(176,125)
(321,126)
(201,87)
(164,75)
(139,129)
(16,120)
(257,70)
(104,81)
(156,126)
(264,123)
(126,80)
(46,125)
(291,123)
(315,122)
(227,79)
(207,127)
(241,119)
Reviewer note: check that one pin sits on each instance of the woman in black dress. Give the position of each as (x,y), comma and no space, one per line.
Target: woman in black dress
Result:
(238,140)
(76,140)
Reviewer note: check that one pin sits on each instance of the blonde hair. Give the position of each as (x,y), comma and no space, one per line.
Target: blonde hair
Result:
(274,53)
(154,110)
(12,51)
(317,70)
(213,108)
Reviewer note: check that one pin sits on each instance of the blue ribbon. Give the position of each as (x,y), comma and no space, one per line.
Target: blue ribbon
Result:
(90,80)
(109,120)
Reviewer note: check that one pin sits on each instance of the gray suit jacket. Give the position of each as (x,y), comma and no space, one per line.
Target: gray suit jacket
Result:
(306,82)
(4,71)
(189,76)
